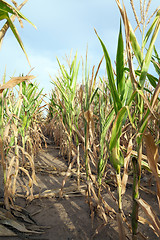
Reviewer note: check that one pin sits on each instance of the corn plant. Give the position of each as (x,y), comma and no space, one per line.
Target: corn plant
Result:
(66,105)
(22,138)
(5,11)
(106,116)
(144,62)
(4,132)
(87,96)
(31,101)
(120,89)
(94,117)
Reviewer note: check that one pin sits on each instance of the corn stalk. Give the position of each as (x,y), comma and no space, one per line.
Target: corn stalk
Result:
(119,92)
(144,62)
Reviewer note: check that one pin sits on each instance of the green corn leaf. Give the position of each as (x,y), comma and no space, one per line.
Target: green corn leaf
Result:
(62,85)
(16,34)
(12,141)
(25,119)
(106,125)
(120,66)
(7,8)
(67,78)
(28,90)
(32,111)
(136,47)
(146,116)
(62,91)
(148,56)
(117,126)
(157,68)
(93,95)
(74,76)
(156,64)
(156,54)
(101,167)
(150,31)
(116,157)
(73,69)
(128,90)
(23,87)
(116,100)
(36,95)
(86,74)
(153,80)
(63,72)
(73,63)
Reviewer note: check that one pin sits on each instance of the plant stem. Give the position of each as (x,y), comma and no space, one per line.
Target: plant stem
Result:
(119,188)
(78,169)
(135,196)
(86,149)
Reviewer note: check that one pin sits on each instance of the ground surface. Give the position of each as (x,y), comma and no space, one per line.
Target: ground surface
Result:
(69,218)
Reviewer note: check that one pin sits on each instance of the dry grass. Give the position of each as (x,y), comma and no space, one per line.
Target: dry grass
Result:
(21,134)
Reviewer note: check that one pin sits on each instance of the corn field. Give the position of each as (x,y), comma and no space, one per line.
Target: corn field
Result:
(105,127)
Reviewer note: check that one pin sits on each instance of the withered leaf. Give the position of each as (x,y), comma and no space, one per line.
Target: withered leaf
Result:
(14,81)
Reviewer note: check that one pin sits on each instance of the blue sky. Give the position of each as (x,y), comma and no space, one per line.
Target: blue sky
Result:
(62,26)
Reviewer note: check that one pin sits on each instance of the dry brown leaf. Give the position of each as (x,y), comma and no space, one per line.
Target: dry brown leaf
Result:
(18,226)
(15,175)
(147,103)
(152,152)
(88,116)
(14,2)
(9,170)
(6,131)
(91,81)
(127,32)
(2,153)
(144,221)
(154,221)
(30,183)
(96,74)
(31,164)
(5,232)
(66,176)
(14,81)
(152,157)
(78,133)
(92,132)
(15,129)
(121,231)
(7,190)
(80,93)
(108,208)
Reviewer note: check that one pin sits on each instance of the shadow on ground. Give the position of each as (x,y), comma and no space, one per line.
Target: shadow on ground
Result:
(69,217)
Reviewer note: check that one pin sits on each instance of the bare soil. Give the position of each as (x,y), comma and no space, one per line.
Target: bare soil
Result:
(68,218)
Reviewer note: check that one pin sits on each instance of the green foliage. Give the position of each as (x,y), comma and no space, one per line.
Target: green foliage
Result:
(5,10)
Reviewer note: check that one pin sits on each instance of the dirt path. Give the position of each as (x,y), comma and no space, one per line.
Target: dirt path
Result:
(68,218)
